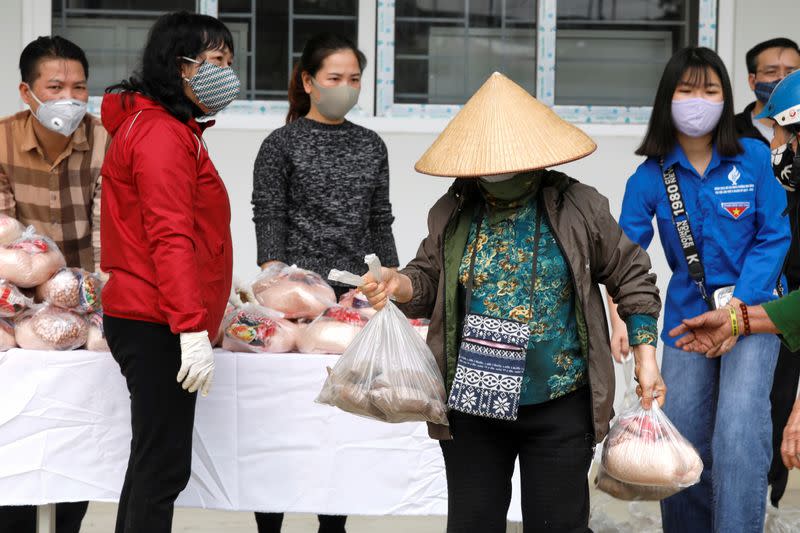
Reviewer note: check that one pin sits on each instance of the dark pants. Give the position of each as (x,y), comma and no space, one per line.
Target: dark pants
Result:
(22,518)
(162,417)
(784,392)
(554,442)
(271,523)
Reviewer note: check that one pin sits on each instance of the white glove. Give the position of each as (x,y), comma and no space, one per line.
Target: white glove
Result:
(197,362)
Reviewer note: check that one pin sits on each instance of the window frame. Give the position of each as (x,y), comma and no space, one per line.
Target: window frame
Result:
(376,102)
(545,71)
(250,113)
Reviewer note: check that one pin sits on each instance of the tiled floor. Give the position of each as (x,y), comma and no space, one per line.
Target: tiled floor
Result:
(613,516)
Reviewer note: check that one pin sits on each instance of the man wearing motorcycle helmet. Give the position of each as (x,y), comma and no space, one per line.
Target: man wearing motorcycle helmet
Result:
(784,108)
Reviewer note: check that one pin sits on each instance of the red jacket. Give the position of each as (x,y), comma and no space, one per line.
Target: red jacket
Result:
(165,220)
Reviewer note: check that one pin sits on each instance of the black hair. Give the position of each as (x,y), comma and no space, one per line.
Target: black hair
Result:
(47,47)
(315,51)
(694,61)
(172,37)
(752,55)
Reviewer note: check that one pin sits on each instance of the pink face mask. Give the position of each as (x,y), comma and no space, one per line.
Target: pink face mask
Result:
(696,117)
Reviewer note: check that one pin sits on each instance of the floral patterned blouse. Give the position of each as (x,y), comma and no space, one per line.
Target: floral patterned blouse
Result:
(554,365)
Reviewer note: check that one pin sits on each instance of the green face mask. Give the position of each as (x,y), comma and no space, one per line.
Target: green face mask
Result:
(335,102)
(511,191)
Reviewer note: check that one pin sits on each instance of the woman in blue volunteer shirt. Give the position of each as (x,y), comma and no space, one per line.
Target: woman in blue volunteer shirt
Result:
(734,206)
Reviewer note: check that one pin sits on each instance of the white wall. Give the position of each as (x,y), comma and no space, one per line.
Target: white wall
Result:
(11,42)
(755,22)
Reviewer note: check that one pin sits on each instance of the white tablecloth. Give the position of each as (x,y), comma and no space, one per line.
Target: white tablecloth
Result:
(260,441)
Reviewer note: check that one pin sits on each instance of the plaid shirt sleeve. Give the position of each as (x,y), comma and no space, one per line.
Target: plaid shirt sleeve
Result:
(7,204)
(96,222)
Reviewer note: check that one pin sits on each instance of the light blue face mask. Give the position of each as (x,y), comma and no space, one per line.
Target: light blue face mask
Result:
(215,87)
(62,116)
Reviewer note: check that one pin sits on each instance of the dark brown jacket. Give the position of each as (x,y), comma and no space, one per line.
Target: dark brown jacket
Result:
(596,250)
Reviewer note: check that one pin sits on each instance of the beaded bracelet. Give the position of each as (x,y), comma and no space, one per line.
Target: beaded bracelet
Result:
(734,322)
(745,318)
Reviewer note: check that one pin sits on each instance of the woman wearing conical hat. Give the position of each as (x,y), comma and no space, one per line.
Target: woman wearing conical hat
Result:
(509,277)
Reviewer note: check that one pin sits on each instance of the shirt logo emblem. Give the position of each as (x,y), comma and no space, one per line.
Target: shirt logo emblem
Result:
(736,209)
(734,175)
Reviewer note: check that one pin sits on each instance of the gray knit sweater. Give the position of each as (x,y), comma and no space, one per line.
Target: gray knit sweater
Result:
(321,197)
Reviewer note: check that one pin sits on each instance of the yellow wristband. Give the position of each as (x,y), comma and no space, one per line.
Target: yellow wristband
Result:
(734,322)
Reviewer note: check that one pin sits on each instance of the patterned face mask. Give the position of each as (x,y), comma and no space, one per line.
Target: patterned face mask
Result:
(786,166)
(214,86)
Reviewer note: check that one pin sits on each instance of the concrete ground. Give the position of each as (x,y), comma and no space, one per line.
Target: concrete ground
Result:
(615,516)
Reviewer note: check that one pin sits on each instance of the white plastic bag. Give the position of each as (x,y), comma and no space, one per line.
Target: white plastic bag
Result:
(72,288)
(30,260)
(295,292)
(629,491)
(649,459)
(51,328)
(620,489)
(421,326)
(388,372)
(783,520)
(255,329)
(644,448)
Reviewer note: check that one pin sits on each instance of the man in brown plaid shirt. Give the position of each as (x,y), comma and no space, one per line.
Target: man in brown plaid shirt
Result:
(50,159)
(51,179)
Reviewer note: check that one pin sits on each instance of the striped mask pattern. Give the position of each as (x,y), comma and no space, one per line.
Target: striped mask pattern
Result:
(214,86)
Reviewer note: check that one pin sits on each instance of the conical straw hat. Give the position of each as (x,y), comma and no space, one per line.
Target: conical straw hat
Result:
(503,129)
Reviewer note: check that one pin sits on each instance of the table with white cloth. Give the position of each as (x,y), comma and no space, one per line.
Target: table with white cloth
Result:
(260,441)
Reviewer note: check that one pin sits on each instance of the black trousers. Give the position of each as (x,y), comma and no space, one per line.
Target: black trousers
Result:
(784,392)
(272,522)
(22,518)
(162,418)
(555,444)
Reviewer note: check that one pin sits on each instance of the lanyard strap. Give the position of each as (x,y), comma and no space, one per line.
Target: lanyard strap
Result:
(690,253)
(534,258)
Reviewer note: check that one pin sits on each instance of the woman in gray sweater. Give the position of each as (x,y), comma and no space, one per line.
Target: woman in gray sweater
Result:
(321,184)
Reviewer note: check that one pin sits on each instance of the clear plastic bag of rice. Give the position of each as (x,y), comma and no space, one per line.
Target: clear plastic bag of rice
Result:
(293,291)
(256,329)
(30,260)
(51,328)
(72,288)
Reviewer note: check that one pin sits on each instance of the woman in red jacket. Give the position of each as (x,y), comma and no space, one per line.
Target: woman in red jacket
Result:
(166,244)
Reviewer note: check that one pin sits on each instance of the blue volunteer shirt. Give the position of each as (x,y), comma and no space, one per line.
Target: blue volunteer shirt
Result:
(736,215)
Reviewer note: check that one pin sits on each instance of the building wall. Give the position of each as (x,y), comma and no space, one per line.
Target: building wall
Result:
(755,22)
(11,42)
